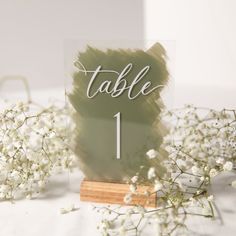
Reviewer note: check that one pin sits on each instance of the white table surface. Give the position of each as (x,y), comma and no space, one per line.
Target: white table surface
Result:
(41,216)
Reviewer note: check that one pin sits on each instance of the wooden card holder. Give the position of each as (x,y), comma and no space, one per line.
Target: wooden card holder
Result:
(114,193)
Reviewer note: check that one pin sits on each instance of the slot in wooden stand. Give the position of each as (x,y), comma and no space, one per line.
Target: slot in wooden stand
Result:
(114,193)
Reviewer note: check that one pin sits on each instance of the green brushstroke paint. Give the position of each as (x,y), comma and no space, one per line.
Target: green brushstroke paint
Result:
(95,142)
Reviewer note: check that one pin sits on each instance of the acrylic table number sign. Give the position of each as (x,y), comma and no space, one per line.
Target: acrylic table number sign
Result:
(116,100)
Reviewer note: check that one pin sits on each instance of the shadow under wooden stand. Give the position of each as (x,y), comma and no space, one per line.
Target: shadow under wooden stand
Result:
(114,193)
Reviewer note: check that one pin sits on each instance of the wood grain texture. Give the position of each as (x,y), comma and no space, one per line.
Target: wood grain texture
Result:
(114,193)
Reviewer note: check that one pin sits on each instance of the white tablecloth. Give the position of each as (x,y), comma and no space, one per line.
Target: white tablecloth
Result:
(41,216)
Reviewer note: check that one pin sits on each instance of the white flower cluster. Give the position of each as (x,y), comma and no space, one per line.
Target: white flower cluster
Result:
(34,144)
(201,144)
(68,209)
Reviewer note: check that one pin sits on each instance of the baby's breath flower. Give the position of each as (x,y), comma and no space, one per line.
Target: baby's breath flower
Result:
(104,226)
(134,179)
(151,173)
(132,188)
(68,209)
(41,184)
(128,198)
(152,154)
(210,198)
(213,173)
(220,160)
(29,153)
(158,185)
(228,166)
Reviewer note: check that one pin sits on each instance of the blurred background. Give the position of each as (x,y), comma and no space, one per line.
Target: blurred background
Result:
(33,32)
